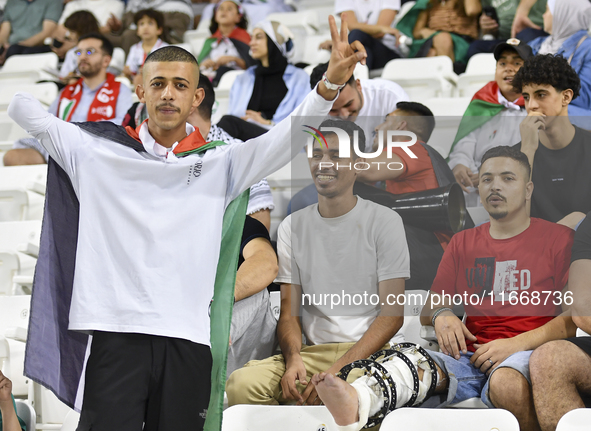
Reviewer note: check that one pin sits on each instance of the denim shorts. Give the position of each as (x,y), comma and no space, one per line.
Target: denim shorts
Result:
(467,381)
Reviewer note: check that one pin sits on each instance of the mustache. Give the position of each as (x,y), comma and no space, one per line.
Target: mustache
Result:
(167,105)
(497,195)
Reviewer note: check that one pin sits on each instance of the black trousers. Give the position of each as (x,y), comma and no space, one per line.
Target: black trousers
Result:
(140,382)
(17,49)
(378,54)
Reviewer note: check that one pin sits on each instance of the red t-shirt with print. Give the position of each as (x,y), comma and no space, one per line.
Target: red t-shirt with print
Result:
(486,270)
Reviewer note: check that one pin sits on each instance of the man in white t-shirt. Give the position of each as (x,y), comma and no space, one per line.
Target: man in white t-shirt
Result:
(365,101)
(338,259)
(140,229)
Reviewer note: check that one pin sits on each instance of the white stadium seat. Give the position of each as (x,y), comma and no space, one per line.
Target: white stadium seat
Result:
(23,178)
(411,328)
(9,268)
(423,78)
(448,113)
(307,20)
(222,94)
(270,418)
(45,92)
(413,419)
(479,71)
(311,53)
(14,204)
(285,183)
(28,62)
(196,43)
(186,47)
(117,60)
(361,71)
(71,421)
(14,312)
(575,420)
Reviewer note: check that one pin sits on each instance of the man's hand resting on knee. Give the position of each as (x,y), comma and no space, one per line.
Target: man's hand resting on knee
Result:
(451,334)
(295,371)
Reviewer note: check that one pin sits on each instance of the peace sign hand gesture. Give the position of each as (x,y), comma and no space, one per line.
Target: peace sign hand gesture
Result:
(343,58)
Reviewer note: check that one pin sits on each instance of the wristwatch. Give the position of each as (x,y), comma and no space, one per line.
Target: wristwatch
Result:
(330,85)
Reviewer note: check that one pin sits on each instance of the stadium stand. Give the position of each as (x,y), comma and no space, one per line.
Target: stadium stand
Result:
(431,81)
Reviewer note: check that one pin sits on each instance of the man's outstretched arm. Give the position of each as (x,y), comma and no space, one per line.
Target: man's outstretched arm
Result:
(59,138)
(256,158)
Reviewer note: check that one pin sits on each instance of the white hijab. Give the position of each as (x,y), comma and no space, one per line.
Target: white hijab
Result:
(568,17)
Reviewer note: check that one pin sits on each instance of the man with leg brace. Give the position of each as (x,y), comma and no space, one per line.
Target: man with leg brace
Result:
(493,268)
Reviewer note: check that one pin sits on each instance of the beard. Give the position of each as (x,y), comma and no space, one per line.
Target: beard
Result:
(89,71)
(499,215)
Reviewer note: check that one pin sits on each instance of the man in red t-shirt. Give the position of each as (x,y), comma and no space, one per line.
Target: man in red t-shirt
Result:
(509,274)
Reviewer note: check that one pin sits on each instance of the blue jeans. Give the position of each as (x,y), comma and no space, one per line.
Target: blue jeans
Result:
(467,381)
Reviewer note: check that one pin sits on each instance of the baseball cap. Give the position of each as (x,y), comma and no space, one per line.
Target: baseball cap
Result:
(522,48)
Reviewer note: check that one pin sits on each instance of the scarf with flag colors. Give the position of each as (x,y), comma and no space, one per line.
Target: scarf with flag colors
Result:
(483,106)
(103,107)
(239,37)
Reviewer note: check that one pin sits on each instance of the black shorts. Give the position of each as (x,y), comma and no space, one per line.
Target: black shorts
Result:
(584,343)
(132,379)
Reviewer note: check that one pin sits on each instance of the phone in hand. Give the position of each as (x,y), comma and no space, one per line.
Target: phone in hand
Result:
(491,12)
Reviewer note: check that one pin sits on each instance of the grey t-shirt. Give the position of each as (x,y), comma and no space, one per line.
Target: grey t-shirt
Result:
(346,255)
(506,12)
(26,17)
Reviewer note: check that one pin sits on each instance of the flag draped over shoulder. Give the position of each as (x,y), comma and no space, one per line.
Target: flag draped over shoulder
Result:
(54,356)
(483,106)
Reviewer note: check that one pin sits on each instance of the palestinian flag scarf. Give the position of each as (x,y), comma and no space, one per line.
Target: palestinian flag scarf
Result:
(483,106)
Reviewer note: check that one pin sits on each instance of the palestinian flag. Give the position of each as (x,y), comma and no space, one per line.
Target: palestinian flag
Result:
(483,106)
(54,355)
(239,38)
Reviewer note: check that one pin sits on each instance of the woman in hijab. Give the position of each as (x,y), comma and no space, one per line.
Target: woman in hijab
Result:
(568,21)
(266,93)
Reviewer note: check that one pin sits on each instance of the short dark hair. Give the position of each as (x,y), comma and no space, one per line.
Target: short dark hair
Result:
(318,71)
(150,13)
(206,107)
(243,23)
(547,69)
(349,127)
(82,22)
(171,53)
(422,121)
(510,152)
(106,46)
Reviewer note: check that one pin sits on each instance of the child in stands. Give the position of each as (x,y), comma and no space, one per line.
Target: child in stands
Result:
(150,24)
(228,47)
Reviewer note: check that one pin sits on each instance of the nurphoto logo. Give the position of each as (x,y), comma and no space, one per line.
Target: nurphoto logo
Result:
(345,146)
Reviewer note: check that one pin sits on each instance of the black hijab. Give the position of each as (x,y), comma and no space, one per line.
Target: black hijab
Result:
(269,86)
